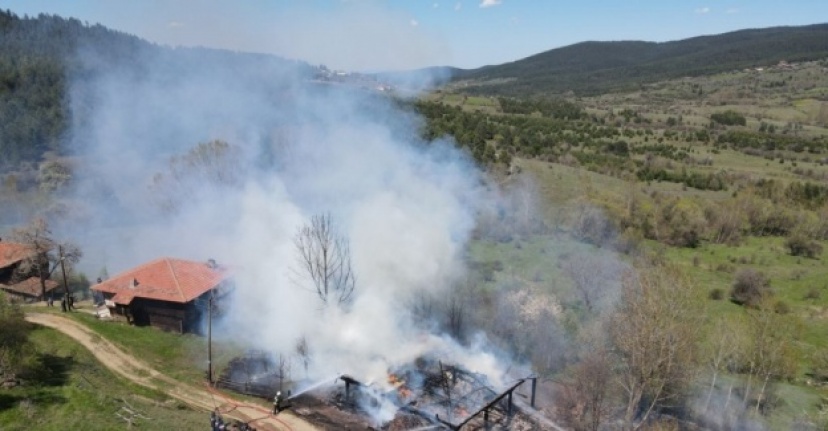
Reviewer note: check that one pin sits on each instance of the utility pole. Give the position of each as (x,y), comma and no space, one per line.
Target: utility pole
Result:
(65,284)
(210,338)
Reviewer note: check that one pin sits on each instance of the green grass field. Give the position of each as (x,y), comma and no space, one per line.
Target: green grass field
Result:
(180,356)
(71,390)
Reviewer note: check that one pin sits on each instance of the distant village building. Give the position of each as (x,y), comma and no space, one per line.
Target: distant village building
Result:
(171,294)
(22,284)
(784,65)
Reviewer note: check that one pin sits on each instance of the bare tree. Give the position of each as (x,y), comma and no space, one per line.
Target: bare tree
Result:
(304,352)
(585,402)
(720,352)
(44,257)
(283,368)
(325,259)
(655,336)
(773,354)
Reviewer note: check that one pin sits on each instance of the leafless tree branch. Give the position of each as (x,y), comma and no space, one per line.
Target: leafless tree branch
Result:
(325,259)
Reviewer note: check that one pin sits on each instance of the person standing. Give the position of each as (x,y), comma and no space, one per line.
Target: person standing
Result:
(277,402)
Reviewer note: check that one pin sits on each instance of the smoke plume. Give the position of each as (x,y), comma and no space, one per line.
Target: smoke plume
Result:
(292,148)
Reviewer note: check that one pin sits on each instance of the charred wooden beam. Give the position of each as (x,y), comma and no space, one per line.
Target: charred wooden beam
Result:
(348,382)
(432,419)
(490,404)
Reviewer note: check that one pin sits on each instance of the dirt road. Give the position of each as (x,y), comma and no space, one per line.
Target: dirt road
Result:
(204,398)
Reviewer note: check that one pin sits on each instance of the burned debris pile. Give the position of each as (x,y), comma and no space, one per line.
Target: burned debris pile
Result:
(452,397)
(427,394)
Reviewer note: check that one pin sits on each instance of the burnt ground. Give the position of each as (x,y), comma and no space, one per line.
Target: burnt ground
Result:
(317,408)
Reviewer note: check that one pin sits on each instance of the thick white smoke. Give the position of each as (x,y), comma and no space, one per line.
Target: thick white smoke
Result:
(407,207)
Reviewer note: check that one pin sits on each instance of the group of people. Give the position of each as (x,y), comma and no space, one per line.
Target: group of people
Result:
(217,423)
(66,304)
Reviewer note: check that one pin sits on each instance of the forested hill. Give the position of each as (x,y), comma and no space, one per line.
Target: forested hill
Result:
(590,68)
(40,56)
(36,57)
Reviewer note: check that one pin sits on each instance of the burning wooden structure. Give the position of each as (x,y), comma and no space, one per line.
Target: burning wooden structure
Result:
(424,393)
(431,393)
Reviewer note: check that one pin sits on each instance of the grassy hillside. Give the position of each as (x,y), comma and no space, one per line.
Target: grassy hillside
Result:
(71,390)
(731,149)
(590,68)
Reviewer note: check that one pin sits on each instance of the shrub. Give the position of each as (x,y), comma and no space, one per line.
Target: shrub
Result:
(717,294)
(750,287)
(799,245)
(729,118)
(819,366)
(781,307)
(813,294)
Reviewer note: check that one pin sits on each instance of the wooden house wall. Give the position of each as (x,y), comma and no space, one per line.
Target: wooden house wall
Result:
(19,296)
(169,316)
(7,273)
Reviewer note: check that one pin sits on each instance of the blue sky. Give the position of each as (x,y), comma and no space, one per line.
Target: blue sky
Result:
(403,34)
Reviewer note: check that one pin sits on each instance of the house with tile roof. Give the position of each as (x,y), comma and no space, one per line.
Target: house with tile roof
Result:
(17,281)
(168,293)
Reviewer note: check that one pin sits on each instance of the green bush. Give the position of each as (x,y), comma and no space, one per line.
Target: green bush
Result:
(729,118)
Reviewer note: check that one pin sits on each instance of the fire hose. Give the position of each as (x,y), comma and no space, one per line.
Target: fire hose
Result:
(235,405)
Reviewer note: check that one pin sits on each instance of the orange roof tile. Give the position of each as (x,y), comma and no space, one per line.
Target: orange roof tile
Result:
(165,279)
(30,286)
(12,252)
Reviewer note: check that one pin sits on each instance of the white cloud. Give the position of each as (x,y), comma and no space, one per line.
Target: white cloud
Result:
(703,10)
(414,23)
(490,3)
(458,6)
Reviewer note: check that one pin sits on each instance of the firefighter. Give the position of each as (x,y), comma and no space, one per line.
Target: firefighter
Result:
(277,402)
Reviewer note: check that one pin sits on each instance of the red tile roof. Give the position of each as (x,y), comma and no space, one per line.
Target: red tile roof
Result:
(12,252)
(30,286)
(165,279)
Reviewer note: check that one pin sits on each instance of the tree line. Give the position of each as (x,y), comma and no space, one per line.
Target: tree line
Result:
(591,68)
